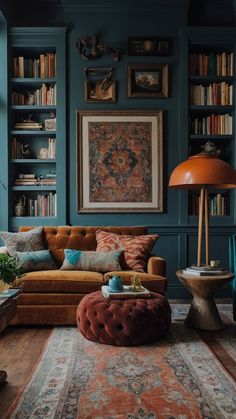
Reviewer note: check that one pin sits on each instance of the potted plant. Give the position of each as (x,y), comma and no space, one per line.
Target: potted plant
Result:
(10,269)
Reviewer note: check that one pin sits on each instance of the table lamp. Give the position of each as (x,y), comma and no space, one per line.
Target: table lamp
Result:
(202,172)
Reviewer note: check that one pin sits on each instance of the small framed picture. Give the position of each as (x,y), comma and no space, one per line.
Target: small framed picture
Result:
(148,80)
(98,91)
(151,46)
(50,124)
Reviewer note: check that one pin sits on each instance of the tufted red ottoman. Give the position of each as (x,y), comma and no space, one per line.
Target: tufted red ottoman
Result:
(132,321)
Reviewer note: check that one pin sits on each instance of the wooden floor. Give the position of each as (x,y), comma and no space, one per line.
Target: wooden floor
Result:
(20,348)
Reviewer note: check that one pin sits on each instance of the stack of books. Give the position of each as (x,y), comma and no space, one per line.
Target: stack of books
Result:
(48,180)
(29,125)
(203,271)
(26,180)
(126,293)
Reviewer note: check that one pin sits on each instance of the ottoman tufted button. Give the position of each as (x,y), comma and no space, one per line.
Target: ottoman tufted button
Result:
(123,322)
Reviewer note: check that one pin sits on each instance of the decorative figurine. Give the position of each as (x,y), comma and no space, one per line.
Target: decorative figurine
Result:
(91,48)
(210,148)
(20,206)
(136,284)
(25,151)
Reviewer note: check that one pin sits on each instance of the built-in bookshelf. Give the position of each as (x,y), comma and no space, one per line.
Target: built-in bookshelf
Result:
(37,153)
(210,107)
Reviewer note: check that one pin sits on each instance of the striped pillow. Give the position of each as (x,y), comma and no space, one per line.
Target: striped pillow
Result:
(136,248)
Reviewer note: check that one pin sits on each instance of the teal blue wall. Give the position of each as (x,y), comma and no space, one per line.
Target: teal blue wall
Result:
(133,24)
(116,21)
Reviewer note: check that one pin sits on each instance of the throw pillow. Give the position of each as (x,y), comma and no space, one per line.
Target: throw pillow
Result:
(23,241)
(39,260)
(136,248)
(91,261)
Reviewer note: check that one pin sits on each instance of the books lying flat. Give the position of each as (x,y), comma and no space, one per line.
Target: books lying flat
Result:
(28,125)
(203,272)
(126,293)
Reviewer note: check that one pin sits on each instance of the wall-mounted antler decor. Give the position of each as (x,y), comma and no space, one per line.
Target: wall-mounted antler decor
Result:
(99,86)
(92,48)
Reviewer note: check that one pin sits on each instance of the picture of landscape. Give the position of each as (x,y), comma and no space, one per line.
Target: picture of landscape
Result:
(147,81)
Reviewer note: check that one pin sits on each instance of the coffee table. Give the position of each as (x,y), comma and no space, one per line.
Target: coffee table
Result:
(203,313)
(7,312)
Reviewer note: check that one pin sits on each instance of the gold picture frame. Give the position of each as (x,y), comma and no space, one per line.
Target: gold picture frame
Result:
(119,161)
(148,80)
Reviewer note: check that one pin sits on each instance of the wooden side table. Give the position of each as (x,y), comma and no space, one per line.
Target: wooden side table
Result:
(7,312)
(203,313)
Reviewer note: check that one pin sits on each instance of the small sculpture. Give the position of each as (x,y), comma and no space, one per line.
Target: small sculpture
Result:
(210,148)
(20,206)
(136,284)
(91,48)
(27,119)
(25,151)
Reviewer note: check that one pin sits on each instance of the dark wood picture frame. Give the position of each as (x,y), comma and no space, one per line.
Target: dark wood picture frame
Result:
(119,166)
(148,80)
(149,46)
(95,93)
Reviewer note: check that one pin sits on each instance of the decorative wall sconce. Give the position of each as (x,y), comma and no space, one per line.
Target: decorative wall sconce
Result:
(91,48)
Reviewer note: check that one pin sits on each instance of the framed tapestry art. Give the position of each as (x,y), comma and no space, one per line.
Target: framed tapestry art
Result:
(119,161)
(148,80)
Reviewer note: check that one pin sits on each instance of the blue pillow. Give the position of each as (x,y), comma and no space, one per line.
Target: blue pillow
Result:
(91,261)
(39,260)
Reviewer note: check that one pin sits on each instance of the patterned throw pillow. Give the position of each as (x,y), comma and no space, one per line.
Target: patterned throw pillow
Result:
(40,260)
(23,241)
(136,248)
(91,261)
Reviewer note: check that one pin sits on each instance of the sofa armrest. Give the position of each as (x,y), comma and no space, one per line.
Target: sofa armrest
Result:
(156,266)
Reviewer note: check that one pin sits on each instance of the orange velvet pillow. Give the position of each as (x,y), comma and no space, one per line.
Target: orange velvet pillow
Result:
(136,248)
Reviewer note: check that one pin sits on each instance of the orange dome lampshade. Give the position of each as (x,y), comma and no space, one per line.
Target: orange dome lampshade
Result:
(203,171)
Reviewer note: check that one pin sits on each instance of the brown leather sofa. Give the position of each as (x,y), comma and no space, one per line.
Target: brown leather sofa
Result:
(52,297)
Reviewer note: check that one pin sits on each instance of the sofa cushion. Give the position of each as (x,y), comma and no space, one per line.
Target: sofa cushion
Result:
(62,281)
(35,261)
(91,261)
(78,237)
(23,242)
(136,248)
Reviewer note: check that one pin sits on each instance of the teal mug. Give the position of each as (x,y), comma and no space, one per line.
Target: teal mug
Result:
(116,283)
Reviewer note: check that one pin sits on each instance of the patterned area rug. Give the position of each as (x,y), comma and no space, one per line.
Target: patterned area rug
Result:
(179,377)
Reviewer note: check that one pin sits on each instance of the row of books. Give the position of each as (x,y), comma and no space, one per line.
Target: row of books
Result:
(212,125)
(39,67)
(218,204)
(44,96)
(44,205)
(213,95)
(212,64)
